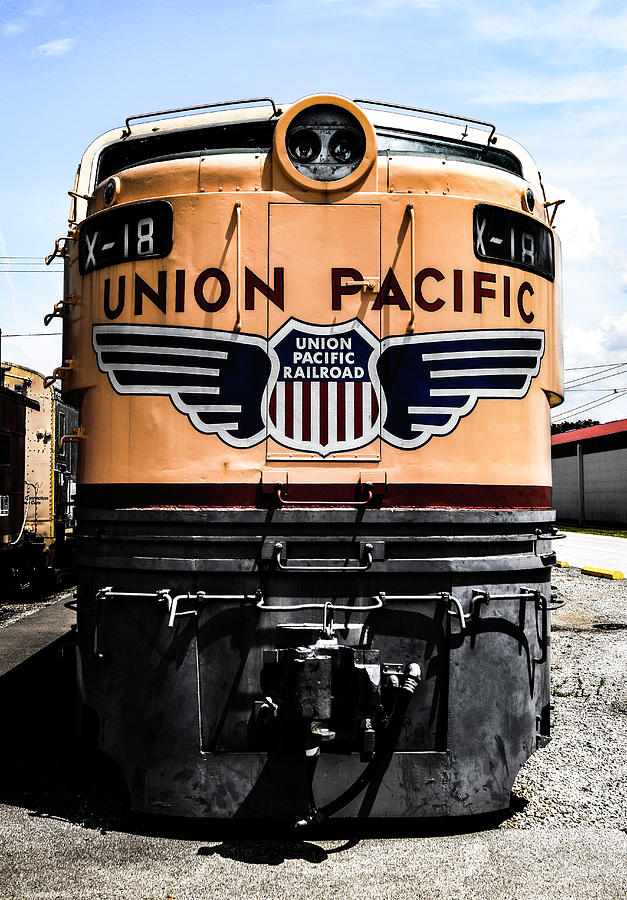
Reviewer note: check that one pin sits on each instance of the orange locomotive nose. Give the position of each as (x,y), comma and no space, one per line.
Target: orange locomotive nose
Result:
(314,348)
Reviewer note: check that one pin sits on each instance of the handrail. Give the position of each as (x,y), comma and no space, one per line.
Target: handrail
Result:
(284,502)
(163,595)
(169,112)
(367,556)
(433,112)
(290,607)
(444,596)
(412,267)
(328,625)
(238,223)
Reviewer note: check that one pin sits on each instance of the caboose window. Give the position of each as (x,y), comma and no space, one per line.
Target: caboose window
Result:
(406,142)
(241,137)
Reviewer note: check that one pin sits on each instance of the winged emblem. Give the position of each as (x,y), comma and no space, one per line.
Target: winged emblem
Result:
(430,381)
(216,378)
(321,388)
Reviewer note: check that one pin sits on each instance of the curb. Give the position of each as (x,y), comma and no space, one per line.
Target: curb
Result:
(613,574)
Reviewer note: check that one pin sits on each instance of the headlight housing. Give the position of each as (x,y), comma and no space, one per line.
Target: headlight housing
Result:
(325,141)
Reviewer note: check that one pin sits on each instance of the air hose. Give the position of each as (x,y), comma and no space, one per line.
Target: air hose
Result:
(377,765)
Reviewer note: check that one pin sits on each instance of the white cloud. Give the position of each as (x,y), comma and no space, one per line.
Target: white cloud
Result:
(39,9)
(614,331)
(577,225)
(535,87)
(565,24)
(53,48)
(11,29)
(376,8)
(604,345)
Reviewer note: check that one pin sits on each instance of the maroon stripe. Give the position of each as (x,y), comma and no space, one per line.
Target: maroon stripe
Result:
(358,409)
(306,411)
(414,496)
(324,413)
(273,407)
(341,412)
(375,407)
(289,409)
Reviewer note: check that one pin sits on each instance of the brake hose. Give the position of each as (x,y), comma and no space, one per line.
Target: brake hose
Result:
(377,765)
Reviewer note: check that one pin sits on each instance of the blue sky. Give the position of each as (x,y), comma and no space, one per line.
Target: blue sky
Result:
(551,75)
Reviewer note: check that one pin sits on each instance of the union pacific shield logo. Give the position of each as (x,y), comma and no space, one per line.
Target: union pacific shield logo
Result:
(324,390)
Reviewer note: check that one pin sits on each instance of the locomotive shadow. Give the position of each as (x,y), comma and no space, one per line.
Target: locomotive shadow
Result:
(46,770)
(43,768)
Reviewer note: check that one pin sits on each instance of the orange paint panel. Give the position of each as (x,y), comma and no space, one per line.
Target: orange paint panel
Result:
(277,256)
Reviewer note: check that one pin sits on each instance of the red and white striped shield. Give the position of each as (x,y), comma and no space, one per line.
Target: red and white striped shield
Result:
(323,394)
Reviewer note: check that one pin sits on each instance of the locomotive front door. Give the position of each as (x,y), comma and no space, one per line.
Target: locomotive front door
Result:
(324,397)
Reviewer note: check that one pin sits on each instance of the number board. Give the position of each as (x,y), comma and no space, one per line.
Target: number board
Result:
(504,236)
(126,234)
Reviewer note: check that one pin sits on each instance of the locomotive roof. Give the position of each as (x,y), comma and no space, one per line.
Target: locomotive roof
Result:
(454,130)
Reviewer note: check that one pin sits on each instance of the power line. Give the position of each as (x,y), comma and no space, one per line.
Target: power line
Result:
(578,410)
(31,334)
(597,366)
(591,404)
(596,376)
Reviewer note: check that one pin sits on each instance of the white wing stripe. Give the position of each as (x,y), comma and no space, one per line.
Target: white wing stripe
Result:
(171,370)
(164,351)
(478,354)
(481,393)
(478,373)
(434,410)
(217,408)
(193,389)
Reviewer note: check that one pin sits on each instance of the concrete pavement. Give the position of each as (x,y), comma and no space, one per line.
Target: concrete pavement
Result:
(593,550)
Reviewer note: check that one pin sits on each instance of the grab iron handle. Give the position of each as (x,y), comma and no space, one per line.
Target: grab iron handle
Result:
(367,562)
(328,625)
(284,502)
(376,604)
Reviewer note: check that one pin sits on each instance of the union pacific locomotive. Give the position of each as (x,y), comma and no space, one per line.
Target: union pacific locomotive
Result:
(315,349)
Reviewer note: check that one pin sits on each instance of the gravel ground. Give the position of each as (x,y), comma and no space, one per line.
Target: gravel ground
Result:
(581,777)
(11,612)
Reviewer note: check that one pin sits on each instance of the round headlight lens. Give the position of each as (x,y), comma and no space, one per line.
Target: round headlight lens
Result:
(346,146)
(110,190)
(304,145)
(530,200)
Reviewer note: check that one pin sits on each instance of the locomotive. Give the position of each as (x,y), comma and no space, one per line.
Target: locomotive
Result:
(314,347)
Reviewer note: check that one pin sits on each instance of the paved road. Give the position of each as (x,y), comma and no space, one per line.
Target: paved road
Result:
(593,550)
(22,639)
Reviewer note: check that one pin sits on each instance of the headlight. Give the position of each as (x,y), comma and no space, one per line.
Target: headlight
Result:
(326,142)
(347,146)
(304,145)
